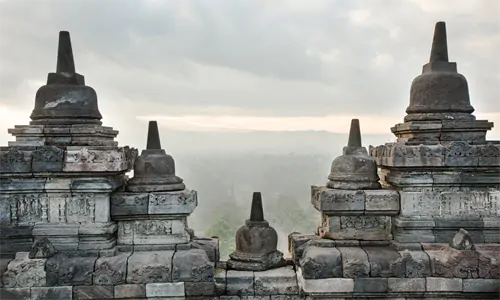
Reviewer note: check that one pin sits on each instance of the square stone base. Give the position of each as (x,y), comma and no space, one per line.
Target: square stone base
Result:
(367,228)
(152,232)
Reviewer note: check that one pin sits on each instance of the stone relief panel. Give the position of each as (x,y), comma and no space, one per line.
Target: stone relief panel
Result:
(29,208)
(80,208)
(89,160)
(435,203)
(14,160)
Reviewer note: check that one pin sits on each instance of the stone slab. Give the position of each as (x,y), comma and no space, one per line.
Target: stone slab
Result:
(409,285)
(327,285)
(336,201)
(52,293)
(95,292)
(166,289)
(199,288)
(15,293)
(239,283)
(130,291)
(481,286)
(370,285)
(276,281)
(371,228)
(150,267)
(437,284)
(180,203)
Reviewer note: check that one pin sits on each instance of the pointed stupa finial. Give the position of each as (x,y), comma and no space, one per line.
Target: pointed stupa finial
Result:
(354,134)
(65,61)
(153,136)
(257,213)
(439,50)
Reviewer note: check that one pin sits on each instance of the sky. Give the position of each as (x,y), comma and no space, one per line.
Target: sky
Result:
(223,67)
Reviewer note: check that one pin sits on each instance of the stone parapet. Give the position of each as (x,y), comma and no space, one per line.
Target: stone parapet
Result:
(63,135)
(129,206)
(442,154)
(363,215)
(355,202)
(435,132)
(67,159)
(431,273)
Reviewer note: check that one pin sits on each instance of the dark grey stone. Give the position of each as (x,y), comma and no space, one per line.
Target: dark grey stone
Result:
(111,270)
(13,160)
(256,243)
(63,269)
(355,169)
(199,288)
(52,293)
(370,285)
(385,262)
(154,169)
(93,292)
(42,248)
(51,104)
(211,247)
(462,241)
(319,263)
(130,291)
(129,204)
(48,159)
(15,294)
(481,286)
(192,266)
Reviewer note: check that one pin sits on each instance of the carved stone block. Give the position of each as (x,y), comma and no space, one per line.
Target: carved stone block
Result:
(47,159)
(127,205)
(371,228)
(29,208)
(416,264)
(408,285)
(177,203)
(160,232)
(384,262)
(239,283)
(354,262)
(336,201)
(451,263)
(69,269)
(15,293)
(150,267)
(111,270)
(281,281)
(192,266)
(14,160)
(209,245)
(381,202)
(318,263)
(87,159)
(25,272)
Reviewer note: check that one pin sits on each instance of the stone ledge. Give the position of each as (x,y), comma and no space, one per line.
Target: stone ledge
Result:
(38,158)
(355,202)
(442,154)
(320,259)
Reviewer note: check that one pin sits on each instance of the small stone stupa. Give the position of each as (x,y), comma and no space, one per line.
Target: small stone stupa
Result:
(154,170)
(354,169)
(152,210)
(352,198)
(256,243)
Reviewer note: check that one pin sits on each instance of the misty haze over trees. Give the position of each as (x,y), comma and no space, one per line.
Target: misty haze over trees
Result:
(225,176)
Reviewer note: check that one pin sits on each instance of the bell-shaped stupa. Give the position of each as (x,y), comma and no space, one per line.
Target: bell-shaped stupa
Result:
(154,170)
(256,243)
(354,169)
(65,99)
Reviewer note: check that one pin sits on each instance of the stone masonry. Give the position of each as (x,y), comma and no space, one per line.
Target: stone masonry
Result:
(414,219)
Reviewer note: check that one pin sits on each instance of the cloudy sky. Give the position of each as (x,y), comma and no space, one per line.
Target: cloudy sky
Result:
(230,66)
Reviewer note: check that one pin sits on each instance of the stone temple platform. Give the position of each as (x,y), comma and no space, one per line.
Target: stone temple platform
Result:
(414,219)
